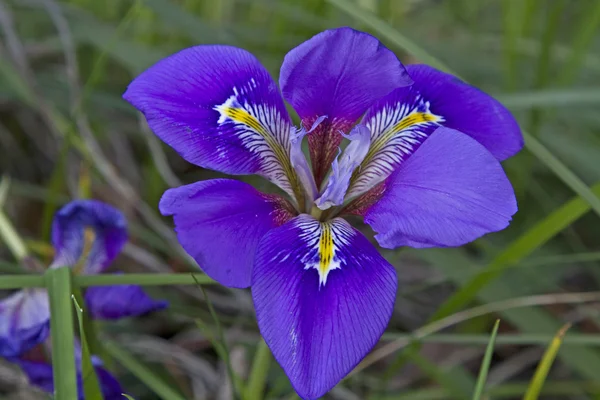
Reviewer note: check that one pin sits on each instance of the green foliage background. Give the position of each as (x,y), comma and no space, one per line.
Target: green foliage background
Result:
(65,64)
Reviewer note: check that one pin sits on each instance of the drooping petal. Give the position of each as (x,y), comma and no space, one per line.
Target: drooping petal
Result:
(449,192)
(116,302)
(88,235)
(40,375)
(219,222)
(24,321)
(339,180)
(402,120)
(218,107)
(338,73)
(469,110)
(323,297)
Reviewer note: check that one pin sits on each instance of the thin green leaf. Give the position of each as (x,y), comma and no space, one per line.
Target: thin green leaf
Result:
(535,387)
(91,387)
(520,248)
(485,364)
(142,372)
(220,344)
(258,374)
(9,235)
(127,396)
(58,282)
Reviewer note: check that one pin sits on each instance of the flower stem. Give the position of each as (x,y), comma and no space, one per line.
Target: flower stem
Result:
(58,282)
(258,376)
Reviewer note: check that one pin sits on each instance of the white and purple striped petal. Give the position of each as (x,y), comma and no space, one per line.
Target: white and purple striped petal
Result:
(343,167)
(116,302)
(442,198)
(401,121)
(218,107)
(87,235)
(24,321)
(323,297)
(219,223)
(338,73)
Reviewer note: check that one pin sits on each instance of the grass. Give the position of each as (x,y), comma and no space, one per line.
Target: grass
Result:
(61,112)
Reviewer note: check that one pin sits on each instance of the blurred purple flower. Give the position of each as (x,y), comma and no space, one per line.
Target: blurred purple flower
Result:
(422,168)
(87,236)
(39,374)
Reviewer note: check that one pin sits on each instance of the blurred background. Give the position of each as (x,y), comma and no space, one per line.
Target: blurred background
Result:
(66,133)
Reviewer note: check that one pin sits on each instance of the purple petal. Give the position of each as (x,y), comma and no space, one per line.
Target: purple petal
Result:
(402,120)
(24,321)
(469,110)
(115,302)
(218,107)
(449,192)
(111,388)
(70,235)
(338,73)
(219,222)
(323,297)
(339,180)
(40,375)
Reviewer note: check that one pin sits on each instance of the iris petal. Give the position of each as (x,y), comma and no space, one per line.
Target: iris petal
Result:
(401,121)
(218,107)
(24,321)
(339,180)
(323,297)
(449,192)
(88,234)
(220,222)
(339,73)
(40,375)
(115,302)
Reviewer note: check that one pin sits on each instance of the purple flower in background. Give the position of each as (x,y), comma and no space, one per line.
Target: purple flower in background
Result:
(39,374)
(422,168)
(87,236)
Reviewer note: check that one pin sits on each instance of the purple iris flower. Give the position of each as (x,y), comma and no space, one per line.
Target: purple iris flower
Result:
(87,236)
(39,374)
(422,167)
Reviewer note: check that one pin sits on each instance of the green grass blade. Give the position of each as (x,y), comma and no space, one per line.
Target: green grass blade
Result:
(258,375)
(91,387)
(587,30)
(59,286)
(535,387)
(142,372)
(520,248)
(27,281)
(13,241)
(485,364)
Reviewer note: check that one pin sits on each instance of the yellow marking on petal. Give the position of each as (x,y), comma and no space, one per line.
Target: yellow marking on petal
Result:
(325,249)
(409,121)
(89,237)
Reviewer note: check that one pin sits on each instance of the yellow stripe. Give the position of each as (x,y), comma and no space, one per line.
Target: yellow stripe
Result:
(325,249)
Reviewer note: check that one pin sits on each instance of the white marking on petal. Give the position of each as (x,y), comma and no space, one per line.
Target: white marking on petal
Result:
(396,130)
(262,130)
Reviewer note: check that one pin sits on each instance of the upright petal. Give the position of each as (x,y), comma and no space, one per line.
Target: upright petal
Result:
(323,297)
(219,222)
(405,118)
(449,192)
(338,73)
(24,321)
(218,107)
(88,235)
(339,180)
(116,302)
